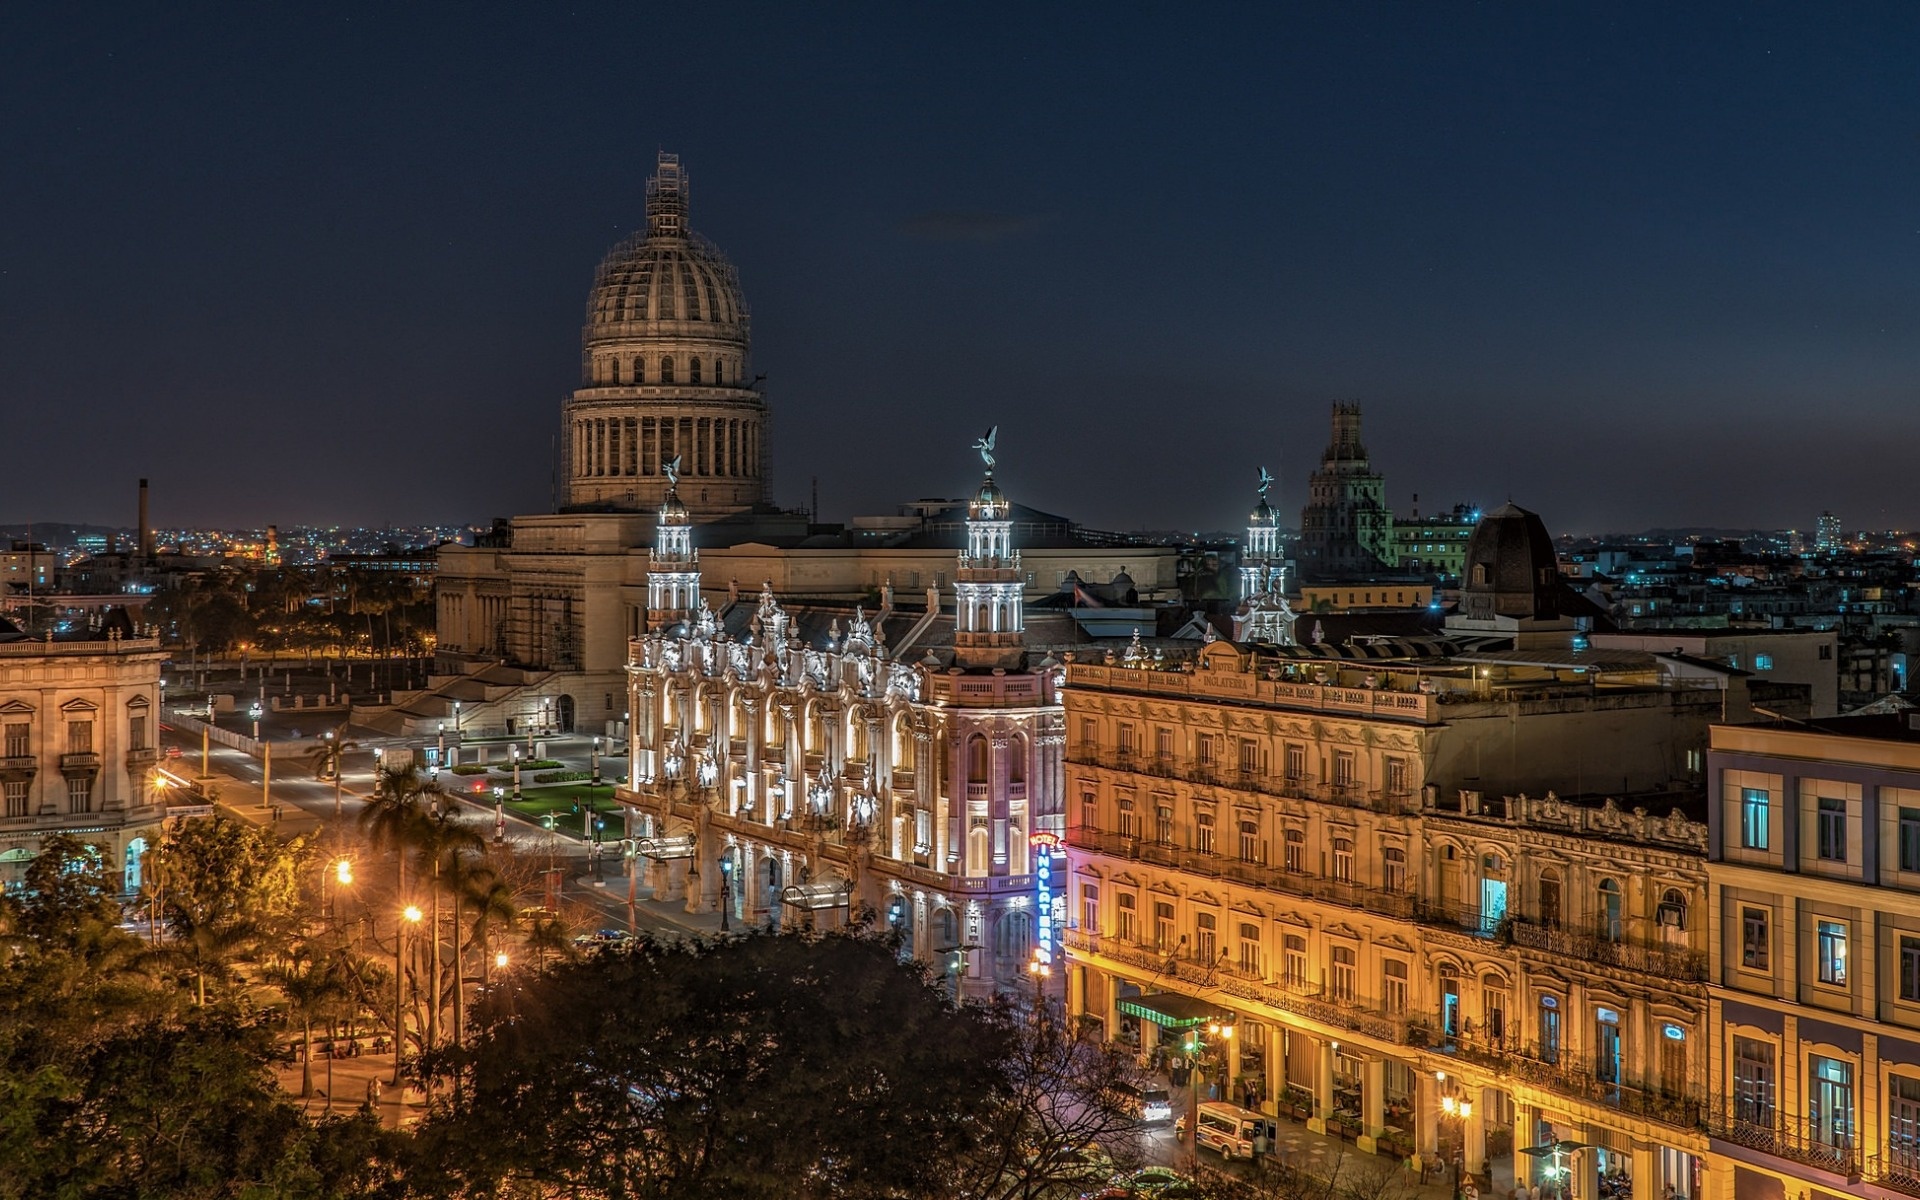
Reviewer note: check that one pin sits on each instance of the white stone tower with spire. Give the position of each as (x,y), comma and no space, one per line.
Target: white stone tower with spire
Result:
(673,566)
(1264,614)
(989,625)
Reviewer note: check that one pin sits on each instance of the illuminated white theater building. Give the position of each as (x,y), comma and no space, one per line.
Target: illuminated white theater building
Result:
(789,767)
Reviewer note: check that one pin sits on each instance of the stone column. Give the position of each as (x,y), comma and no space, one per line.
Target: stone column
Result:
(1373,1099)
(1526,1134)
(1474,1132)
(1646,1170)
(1110,997)
(1585,1166)
(1426,1118)
(1322,1085)
(1076,991)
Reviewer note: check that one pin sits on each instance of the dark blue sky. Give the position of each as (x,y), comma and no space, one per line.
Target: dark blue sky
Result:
(1629,265)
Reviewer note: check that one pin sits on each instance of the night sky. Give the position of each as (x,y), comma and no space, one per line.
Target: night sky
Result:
(1629,266)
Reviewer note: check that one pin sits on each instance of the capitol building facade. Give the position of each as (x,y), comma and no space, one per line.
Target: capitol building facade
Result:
(664,364)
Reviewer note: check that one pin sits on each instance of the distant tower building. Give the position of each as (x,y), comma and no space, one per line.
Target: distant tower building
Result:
(1346,526)
(673,566)
(989,625)
(665,373)
(1264,615)
(1826,538)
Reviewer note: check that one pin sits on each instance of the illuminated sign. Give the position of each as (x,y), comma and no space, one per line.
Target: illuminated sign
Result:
(1050,907)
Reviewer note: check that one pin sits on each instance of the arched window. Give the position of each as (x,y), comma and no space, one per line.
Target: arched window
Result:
(1480,574)
(1608,912)
(666,369)
(976,759)
(719,370)
(693,370)
(1017,759)
(1671,916)
(1550,899)
(639,370)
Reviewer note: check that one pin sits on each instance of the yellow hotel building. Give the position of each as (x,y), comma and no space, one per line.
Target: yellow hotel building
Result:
(1465,877)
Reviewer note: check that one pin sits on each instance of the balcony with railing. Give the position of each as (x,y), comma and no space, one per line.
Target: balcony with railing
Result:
(1211,773)
(1572,1080)
(1770,1132)
(1244,871)
(1898,1171)
(1657,959)
(1351,1012)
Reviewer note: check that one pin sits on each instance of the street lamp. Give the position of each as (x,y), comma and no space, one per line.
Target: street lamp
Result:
(1195,1047)
(589,826)
(409,915)
(516,774)
(499,814)
(1039,971)
(440,756)
(254,711)
(456,720)
(342,876)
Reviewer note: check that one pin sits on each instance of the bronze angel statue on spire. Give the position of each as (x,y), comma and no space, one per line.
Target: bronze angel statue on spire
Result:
(985,447)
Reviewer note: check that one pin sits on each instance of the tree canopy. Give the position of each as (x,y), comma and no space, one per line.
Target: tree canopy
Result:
(757,1066)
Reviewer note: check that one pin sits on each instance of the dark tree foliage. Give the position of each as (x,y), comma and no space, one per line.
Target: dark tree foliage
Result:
(760,1066)
(68,895)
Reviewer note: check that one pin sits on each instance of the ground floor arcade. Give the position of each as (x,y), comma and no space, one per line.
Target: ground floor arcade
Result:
(1379,1087)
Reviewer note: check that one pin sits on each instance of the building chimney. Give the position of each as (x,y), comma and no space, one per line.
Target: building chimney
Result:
(146,530)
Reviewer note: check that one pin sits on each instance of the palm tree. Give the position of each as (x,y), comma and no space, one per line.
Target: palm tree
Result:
(441,841)
(395,812)
(313,991)
(326,757)
(210,949)
(489,900)
(550,932)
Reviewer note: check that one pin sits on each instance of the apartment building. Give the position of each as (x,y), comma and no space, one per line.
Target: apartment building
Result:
(1814,897)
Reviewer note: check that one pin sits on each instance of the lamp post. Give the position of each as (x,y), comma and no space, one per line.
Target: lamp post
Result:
(408,915)
(590,823)
(440,755)
(1455,1110)
(456,720)
(1195,1047)
(499,814)
(254,712)
(342,876)
(516,774)
(1039,971)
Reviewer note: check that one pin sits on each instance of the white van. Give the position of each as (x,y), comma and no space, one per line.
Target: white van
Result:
(1227,1129)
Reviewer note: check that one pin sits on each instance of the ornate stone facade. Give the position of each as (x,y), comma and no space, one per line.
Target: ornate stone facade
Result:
(79,748)
(787,781)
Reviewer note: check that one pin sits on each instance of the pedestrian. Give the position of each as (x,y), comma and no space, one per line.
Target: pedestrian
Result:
(1426,1167)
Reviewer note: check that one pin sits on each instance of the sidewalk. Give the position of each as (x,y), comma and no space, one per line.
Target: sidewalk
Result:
(1298,1148)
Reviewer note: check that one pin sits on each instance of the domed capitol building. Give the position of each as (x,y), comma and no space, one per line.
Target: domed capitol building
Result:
(534,621)
(664,362)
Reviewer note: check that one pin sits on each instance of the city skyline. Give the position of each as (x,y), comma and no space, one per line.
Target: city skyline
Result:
(1610,264)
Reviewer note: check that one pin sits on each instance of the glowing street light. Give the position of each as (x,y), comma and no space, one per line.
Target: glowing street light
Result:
(409,915)
(255,713)
(343,872)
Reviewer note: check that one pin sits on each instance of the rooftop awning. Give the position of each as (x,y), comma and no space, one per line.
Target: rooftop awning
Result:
(663,848)
(1171,1010)
(832,892)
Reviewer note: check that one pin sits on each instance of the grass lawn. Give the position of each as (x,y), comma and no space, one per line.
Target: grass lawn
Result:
(560,799)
